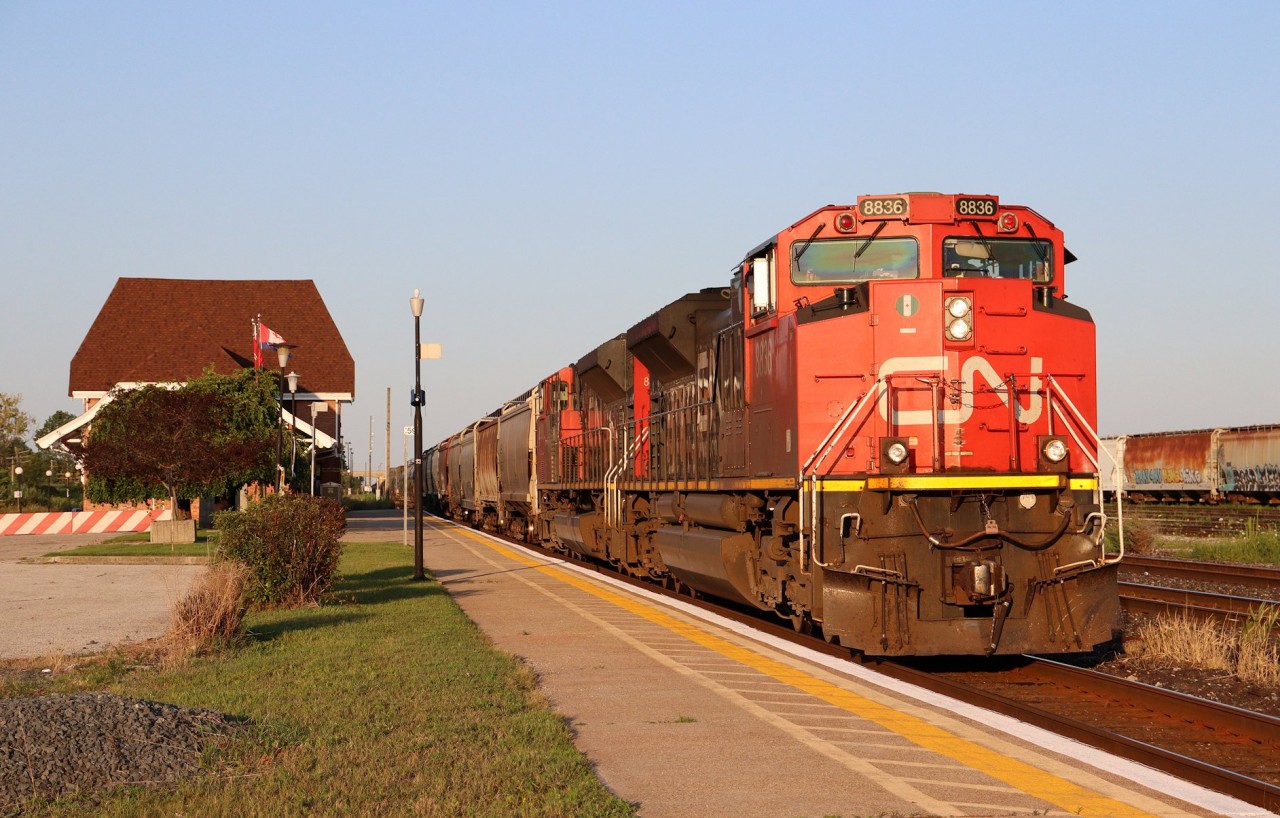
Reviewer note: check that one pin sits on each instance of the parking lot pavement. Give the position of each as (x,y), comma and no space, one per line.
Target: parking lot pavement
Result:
(50,610)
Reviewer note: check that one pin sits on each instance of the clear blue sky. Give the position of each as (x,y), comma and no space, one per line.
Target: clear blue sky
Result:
(550,173)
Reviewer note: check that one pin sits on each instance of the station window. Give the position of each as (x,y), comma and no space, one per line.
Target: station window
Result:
(848,261)
(998,258)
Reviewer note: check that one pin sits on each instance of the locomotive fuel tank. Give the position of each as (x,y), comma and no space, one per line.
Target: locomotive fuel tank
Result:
(720,563)
(578,533)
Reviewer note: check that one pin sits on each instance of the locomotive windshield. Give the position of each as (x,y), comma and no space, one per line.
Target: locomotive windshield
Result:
(998,258)
(846,261)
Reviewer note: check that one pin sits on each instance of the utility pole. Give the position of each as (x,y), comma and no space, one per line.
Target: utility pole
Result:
(387,462)
(369,468)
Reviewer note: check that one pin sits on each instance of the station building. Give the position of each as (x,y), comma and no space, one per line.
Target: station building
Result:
(160,330)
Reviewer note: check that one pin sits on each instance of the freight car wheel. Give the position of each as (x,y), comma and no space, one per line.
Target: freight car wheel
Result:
(681,588)
(802,624)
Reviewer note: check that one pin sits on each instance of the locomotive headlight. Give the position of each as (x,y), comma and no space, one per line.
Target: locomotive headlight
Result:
(1055,450)
(959,330)
(959,318)
(958,307)
(897,453)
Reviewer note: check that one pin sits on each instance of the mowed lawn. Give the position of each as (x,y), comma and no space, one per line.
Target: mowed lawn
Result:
(390,702)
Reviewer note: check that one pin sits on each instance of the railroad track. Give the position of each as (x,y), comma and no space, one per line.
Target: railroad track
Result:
(1200,520)
(1212,573)
(1222,748)
(1152,600)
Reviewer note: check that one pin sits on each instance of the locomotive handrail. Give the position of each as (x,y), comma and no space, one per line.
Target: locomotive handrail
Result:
(825,448)
(613,495)
(1055,387)
(607,476)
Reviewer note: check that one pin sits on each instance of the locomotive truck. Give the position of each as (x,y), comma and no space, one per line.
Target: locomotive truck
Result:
(881,429)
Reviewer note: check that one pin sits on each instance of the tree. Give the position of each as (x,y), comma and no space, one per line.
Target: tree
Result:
(14,423)
(209,436)
(52,422)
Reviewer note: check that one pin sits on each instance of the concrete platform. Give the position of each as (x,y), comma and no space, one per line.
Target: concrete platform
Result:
(684,713)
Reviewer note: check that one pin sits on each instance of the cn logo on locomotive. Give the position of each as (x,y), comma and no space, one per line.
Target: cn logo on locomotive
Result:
(973,365)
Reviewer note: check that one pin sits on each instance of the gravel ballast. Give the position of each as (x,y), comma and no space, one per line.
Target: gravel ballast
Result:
(52,746)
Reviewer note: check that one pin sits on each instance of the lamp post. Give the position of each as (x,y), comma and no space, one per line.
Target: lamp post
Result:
(292,379)
(404,495)
(316,406)
(415,304)
(282,352)
(17,493)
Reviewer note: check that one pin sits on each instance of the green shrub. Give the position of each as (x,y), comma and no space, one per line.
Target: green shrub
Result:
(367,502)
(291,544)
(1140,536)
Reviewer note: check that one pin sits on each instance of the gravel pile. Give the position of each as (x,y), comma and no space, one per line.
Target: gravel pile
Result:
(81,742)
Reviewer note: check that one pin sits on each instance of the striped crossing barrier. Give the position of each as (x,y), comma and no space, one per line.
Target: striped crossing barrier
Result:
(103,521)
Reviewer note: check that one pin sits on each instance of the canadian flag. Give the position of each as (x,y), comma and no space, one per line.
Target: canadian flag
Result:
(266,338)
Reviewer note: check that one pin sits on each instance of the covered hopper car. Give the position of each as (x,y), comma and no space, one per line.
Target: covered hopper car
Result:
(1239,465)
(880,429)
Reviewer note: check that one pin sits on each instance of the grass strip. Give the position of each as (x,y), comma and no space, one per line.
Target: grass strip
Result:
(393,703)
(139,549)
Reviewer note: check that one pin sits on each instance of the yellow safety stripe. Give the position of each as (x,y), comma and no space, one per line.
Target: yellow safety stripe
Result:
(928,482)
(1037,783)
(838,484)
(904,482)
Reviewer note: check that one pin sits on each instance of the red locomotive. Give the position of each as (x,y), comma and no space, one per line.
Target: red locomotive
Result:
(882,428)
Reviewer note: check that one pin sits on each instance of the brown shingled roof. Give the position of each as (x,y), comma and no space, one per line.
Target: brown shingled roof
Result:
(161,329)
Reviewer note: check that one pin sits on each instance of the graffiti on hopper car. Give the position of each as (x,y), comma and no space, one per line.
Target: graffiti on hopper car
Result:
(1263,477)
(1151,477)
